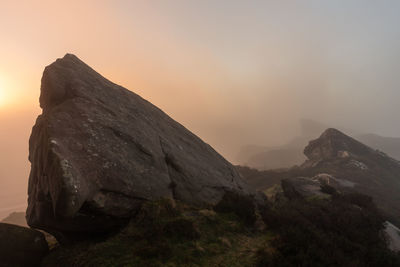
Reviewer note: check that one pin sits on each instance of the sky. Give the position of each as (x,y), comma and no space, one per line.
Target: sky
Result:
(233,72)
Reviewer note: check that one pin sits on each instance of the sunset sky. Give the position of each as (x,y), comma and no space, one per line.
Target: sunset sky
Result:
(233,72)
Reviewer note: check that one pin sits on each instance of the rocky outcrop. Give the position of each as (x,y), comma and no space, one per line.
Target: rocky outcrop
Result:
(302,187)
(98,151)
(321,185)
(356,166)
(393,236)
(21,246)
(332,144)
(345,164)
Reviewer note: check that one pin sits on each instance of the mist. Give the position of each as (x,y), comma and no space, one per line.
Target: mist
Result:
(233,72)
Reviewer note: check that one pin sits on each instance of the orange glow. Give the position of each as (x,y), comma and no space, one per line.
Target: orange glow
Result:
(2,95)
(7,96)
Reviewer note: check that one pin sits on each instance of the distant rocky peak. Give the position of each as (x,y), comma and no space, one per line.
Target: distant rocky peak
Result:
(335,144)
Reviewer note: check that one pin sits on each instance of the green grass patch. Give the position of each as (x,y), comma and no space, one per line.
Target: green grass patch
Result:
(166,235)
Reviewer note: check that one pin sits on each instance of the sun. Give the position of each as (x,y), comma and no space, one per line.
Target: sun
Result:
(2,93)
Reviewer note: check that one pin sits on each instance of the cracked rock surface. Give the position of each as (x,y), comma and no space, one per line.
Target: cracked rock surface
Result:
(98,151)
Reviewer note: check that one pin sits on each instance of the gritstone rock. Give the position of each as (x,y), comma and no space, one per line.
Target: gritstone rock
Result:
(98,151)
(21,246)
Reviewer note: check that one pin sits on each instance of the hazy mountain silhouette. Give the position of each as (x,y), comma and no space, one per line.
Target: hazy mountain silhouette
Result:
(290,154)
(283,156)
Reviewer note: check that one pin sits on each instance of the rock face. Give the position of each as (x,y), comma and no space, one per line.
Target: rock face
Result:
(21,246)
(98,151)
(332,144)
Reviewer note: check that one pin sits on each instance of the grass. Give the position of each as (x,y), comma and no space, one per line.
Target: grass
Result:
(343,230)
(167,235)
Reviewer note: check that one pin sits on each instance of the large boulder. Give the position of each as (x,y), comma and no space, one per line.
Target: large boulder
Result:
(302,187)
(21,246)
(98,151)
